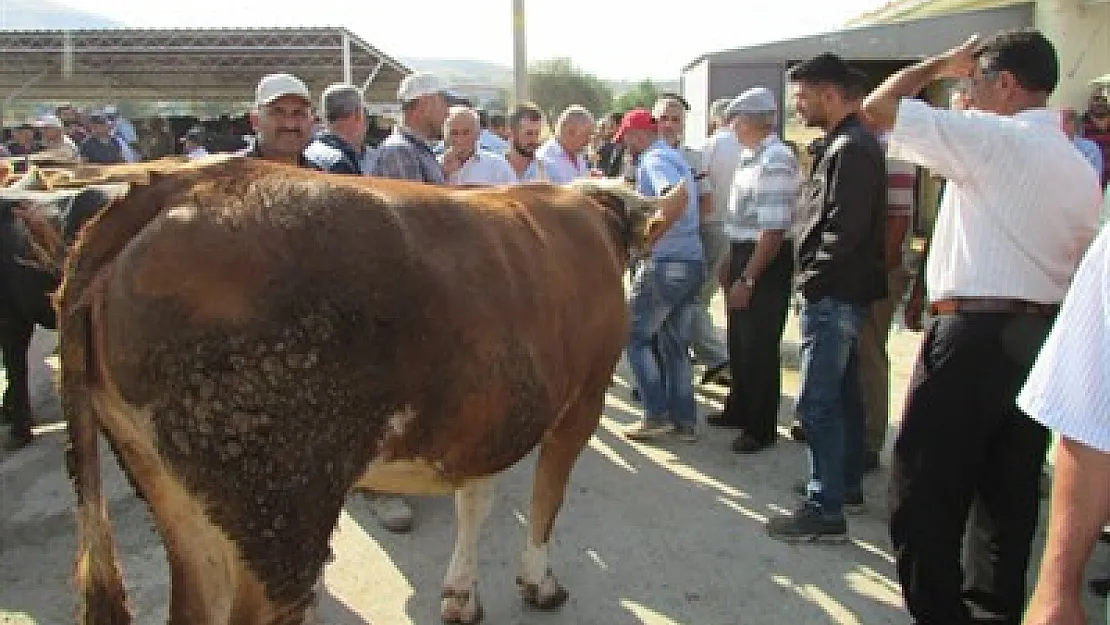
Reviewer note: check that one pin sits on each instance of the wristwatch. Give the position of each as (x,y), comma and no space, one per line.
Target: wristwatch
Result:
(748,282)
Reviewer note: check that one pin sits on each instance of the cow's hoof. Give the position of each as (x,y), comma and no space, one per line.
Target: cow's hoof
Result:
(548,594)
(460,606)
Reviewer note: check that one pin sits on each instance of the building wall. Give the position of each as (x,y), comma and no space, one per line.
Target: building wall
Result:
(1081,33)
(695,88)
(726,80)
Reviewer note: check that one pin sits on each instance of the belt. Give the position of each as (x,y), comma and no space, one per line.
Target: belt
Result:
(991,305)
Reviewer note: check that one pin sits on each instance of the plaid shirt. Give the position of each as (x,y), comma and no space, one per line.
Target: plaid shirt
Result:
(764,191)
(405,156)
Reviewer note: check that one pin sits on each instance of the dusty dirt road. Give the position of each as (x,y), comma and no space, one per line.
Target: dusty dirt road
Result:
(649,534)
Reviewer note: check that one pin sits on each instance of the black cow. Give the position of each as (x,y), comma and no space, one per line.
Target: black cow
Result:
(25,285)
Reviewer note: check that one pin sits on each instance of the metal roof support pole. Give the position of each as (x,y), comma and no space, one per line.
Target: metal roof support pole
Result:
(372,76)
(347,58)
(20,91)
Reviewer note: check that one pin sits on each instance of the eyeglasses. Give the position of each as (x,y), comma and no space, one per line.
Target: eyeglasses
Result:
(669,118)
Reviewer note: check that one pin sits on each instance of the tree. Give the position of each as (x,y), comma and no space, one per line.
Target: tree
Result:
(643,95)
(556,84)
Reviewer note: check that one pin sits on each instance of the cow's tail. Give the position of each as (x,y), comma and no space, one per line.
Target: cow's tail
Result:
(102,600)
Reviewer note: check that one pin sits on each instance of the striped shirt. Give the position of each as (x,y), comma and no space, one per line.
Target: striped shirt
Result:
(405,156)
(901,182)
(1068,389)
(1020,206)
(764,193)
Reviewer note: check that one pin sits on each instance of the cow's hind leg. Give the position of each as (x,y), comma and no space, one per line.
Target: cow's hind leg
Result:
(558,452)
(460,603)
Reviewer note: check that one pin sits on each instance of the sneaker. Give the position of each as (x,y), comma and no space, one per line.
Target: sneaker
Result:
(392,512)
(648,430)
(714,374)
(808,524)
(870,461)
(797,433)
(686,433)
(853,497)
(748,444)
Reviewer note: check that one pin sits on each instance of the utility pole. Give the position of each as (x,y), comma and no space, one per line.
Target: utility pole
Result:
(520,57)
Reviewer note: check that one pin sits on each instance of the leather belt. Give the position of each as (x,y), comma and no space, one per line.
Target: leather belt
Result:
(991,305)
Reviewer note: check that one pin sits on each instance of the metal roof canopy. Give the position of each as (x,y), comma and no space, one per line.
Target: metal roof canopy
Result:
(909,41)
(194,65)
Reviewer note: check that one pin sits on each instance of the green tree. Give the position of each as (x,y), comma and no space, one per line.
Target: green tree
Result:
(643,95)
(555,84)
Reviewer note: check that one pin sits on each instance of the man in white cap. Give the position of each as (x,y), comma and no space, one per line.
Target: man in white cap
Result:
(759,265)
(282,120)
(54,138)
(407,152)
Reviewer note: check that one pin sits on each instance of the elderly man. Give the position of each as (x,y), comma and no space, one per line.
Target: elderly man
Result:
(1019,210)
(470,164)
(760,265)
(54,138)
(23,140)
(282,120)
(664,290)
(525,128)
(840,271)
(339,150)
(407,152)
(562,158)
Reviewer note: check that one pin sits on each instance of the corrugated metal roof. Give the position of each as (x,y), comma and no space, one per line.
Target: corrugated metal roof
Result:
(903,10)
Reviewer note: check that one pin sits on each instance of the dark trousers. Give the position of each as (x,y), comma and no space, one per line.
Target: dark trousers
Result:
(967,458)
(754,335)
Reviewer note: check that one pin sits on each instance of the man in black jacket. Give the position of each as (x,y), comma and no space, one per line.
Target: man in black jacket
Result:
(339,150)
(840,271)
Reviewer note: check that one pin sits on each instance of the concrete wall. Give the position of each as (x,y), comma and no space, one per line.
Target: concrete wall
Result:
(695,88)
(1080,30)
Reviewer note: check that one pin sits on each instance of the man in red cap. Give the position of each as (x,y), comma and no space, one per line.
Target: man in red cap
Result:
(663,299)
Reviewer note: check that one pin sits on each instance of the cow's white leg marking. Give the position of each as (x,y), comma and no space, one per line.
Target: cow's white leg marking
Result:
(460,602)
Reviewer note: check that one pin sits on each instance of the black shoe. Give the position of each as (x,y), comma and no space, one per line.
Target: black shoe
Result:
(19,438)
(870,461)
(797,433)
(808,524)
(722,420)
(748,444)
(635,394)
(714,374)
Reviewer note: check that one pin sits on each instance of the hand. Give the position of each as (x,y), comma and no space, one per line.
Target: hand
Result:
(1047,608)
(739,296)
(915,309)
(960,62)
(452,161)
(656,227)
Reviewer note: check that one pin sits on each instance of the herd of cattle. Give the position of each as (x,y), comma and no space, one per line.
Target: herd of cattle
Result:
(255,341)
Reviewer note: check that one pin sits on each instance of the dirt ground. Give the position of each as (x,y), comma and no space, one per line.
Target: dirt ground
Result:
(649,534)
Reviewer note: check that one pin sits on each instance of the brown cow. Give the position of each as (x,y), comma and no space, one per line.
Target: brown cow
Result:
(256,340)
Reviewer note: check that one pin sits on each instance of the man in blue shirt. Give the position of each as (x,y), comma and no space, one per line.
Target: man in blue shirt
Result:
(664,292)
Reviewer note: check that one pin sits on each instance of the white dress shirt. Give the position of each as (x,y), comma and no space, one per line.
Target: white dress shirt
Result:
(195,153)
(1069,387)
(484,168)
(557,166)
(1020,206)
(719,156)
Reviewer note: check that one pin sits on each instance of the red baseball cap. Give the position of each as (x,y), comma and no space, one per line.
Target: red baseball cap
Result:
(636,119)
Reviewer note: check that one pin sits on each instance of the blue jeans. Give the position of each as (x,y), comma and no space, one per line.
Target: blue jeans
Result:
(830,403)
(662,304)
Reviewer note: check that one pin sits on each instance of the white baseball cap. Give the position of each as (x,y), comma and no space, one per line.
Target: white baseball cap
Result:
(49,121)
(274,86)
(420,84)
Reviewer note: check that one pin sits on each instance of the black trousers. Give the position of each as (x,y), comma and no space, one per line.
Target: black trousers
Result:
(968,459)
(754,335)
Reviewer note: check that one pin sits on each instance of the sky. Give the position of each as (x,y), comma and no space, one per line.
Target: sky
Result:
(616,39)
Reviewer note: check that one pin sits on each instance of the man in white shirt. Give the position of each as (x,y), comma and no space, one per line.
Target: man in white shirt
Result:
(525,126)
(463,161)
(562,158)
(1019,210)
(1069,391)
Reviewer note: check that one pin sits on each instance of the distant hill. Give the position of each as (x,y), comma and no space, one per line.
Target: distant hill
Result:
(49,15)
(485,72)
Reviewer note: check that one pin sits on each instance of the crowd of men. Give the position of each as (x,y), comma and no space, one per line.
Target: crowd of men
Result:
(1020,207)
